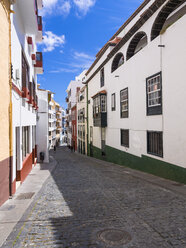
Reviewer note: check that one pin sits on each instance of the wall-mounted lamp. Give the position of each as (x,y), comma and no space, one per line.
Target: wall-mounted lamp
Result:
(117,76)
(161,45)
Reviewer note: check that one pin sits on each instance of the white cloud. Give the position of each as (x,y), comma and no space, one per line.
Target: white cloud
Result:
(84,5)
(79,61)
(51,7)
(51,41)
(82,60)
(65,8)
(81,55)
(64,70)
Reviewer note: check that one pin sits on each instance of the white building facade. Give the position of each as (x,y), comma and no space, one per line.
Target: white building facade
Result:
(82,120)
(52,121)
(42,134)
(63,138)
(136,92)
(26,31)
(72,89)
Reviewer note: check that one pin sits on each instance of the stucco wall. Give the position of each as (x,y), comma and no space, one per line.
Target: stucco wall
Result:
(132,74)
(4,83)
(4,103)
(42,125)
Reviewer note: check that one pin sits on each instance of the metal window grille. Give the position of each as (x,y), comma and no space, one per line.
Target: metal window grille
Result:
(125,137)
(155,143)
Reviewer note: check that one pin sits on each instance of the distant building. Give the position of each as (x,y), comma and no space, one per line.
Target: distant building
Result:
(63,139)
(58,111)
(52,121)
(42,133)
(82,120)
(71,99)
(74,127)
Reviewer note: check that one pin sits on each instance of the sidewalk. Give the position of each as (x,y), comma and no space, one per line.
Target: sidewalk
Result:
(13,209)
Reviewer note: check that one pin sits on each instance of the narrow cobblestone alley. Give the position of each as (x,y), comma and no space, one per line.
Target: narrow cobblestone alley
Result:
(90,203)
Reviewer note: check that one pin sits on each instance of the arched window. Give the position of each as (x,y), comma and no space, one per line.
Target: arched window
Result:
(162,17)
(138,42)
(117,62)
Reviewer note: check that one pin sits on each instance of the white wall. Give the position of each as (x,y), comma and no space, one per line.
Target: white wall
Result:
(23,114)
(42,125)
(132,74)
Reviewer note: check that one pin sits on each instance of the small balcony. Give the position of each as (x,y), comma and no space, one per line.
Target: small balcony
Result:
(39,63)
(33,59)
(25,87)
(30,44)
(100,120)
(31,96)
(25,93)
(100,109)
(39,36)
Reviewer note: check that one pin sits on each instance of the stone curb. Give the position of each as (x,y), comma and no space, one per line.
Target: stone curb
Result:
(11,211)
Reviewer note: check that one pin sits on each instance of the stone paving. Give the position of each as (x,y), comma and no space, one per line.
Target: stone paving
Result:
(84,197)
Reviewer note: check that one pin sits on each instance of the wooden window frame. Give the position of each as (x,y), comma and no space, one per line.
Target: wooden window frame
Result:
(124,114)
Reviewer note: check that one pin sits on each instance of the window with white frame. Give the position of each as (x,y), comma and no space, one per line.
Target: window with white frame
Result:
(124,103)
(154,94)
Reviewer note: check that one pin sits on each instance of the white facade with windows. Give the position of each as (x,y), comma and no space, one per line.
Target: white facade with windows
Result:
(25,33)
(72,89)
(82,120)
(63,138)
(51,121)
(144,86)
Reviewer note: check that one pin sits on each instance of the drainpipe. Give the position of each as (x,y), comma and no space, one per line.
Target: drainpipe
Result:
(88,152)
(10,109)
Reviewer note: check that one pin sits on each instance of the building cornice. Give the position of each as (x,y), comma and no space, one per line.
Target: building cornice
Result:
(143,18)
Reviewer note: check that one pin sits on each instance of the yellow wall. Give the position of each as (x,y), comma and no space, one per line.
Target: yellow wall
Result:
(4,81)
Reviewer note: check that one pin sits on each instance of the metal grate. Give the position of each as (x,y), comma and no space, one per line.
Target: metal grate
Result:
(155,143)
(125,137)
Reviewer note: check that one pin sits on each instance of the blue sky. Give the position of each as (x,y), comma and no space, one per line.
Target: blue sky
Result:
(74,31)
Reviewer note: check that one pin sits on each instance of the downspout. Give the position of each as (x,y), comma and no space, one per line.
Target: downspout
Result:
(88,150)
(10,108)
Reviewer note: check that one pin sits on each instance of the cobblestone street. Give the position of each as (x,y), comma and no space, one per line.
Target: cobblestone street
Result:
(90,203)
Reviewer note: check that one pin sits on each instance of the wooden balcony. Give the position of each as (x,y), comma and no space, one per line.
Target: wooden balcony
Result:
(100,120)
